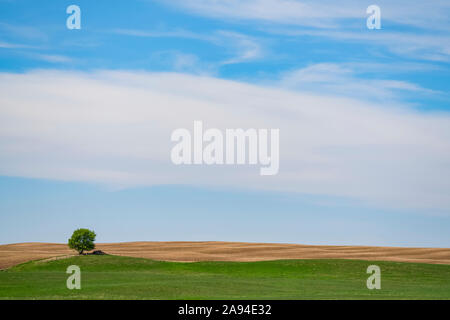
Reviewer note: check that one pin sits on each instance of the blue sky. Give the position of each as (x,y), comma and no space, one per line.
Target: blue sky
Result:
(86,117)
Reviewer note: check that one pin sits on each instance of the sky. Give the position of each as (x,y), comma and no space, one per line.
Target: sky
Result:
(86,118)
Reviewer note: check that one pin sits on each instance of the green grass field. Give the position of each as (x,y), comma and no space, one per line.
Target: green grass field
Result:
(114,277)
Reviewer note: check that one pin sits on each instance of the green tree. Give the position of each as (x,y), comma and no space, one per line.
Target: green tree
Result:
(82,240)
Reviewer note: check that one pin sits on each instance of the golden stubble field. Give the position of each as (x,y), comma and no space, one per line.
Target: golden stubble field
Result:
(12,254)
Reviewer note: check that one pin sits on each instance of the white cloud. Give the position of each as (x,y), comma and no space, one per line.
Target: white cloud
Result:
(22,31)
(309,13)
(243,48)
(426,37)
(323,14)
(53,58)
(344,80)
(183,62)
(426,46)
(179,33)
(114,128)
(8,45)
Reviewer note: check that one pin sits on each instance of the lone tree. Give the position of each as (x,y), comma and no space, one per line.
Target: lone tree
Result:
(82,240)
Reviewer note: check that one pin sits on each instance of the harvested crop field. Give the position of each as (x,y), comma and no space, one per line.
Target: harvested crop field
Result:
(12,254)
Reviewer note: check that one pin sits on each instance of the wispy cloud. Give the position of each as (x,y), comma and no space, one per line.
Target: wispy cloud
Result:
(23,32)
(425,46)
(309,13)
(178,33)
(243,48)
(183,62)
(428,22)
(346,80)
(322,14)
(53,58)
(8,45)
(114,128)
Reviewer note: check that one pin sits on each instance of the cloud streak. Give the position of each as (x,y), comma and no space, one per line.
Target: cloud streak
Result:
(427,22)
(425,46)
(244,48)
(323,14)
(344,80)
